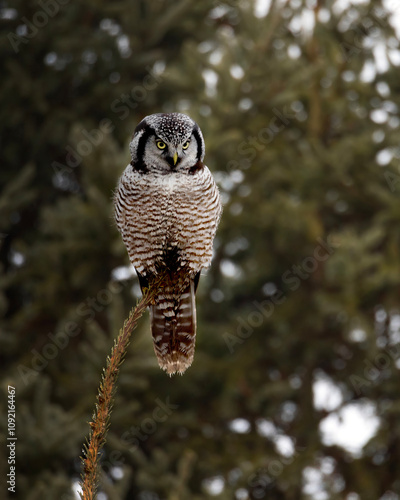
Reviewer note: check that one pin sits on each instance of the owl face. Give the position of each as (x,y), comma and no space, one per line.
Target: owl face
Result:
(167,143)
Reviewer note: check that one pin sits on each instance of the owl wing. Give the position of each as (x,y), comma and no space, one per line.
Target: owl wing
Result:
(119,208)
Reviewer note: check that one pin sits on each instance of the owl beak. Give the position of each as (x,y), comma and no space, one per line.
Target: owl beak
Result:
(173,160)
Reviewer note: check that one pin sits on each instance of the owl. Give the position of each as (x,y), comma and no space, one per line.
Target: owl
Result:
(167,209)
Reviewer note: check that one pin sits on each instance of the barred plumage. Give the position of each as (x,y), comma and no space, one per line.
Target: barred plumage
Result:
(167,209)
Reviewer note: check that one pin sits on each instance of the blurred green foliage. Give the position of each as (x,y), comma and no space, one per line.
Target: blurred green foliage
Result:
(302,135)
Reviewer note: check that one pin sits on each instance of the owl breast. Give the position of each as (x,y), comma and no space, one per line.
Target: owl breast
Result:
(168,220)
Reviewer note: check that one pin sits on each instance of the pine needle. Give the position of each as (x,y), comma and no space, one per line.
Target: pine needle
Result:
(101,416)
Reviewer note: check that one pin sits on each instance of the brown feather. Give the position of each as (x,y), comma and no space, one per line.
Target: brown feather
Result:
(173,326)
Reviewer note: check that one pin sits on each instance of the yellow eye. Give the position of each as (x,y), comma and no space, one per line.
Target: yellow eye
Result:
(161,144)
(186,145)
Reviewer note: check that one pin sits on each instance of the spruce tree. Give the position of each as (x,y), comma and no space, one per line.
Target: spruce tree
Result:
(299,108)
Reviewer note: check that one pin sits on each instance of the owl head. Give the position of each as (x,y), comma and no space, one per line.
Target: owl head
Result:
(167,143)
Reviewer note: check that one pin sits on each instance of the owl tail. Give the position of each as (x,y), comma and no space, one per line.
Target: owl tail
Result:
(173,326)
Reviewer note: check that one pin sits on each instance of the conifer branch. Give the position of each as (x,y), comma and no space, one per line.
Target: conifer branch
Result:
(101,416)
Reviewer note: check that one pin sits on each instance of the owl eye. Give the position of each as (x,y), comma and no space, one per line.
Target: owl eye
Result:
(186,145)
(161,144)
